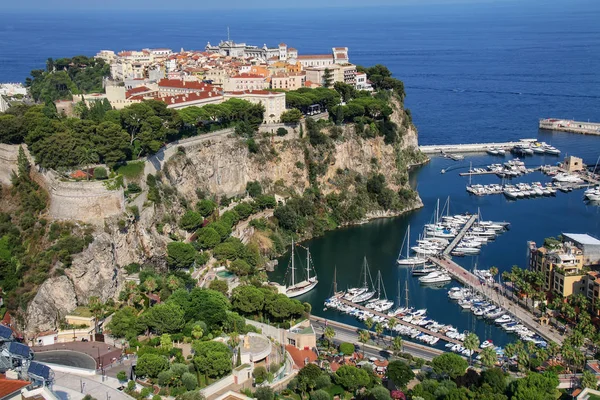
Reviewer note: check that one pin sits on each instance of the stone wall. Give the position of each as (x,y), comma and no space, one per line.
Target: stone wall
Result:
(8,162)
(87,201)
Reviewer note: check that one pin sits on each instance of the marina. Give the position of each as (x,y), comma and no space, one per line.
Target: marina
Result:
(381,239)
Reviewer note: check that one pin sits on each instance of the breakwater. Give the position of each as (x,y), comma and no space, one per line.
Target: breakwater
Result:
(568,125)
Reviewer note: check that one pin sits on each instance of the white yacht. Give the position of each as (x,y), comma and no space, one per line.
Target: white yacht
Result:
(369,293)
(435,277)
(299,288)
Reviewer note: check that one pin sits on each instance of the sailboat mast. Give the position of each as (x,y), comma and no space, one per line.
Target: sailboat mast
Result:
(437,211)
(407,241)
(293,277)
(365,270)
(398,299)
(378,284)
(406,290)
(307,264)
(334,280)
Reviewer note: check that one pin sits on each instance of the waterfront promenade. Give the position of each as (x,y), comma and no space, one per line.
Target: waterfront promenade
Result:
(495,295)
(467,148)
(349,333)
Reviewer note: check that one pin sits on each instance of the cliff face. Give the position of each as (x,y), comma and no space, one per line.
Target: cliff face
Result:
(220,165)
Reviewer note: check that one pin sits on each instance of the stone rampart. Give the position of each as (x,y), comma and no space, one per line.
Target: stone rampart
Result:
(87,201)
(8,162)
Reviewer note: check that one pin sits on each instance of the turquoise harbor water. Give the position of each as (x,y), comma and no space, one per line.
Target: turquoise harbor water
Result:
(473,73)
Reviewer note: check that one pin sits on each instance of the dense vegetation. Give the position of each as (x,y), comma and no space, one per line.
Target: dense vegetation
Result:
(31,248)
(66,77)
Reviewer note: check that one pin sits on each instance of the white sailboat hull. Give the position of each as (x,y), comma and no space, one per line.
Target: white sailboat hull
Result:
(412,261)
(301,288)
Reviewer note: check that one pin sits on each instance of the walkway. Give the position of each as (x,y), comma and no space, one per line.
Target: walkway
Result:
(493,293)
(466,148)
(460,235)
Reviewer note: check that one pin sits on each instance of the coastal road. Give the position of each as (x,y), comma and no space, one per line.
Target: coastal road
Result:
(348,333)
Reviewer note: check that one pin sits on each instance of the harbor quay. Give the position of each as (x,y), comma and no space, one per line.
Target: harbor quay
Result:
(467,148)
(496,295)
(567,125)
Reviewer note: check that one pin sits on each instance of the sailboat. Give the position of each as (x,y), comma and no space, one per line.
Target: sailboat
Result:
(407,260)
(380,304)
(299,288)
(365,292)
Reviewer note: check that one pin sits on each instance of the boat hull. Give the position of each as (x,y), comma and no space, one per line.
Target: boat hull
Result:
(300,289)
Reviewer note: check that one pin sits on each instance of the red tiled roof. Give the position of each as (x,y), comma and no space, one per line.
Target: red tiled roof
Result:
(9,386)
(340,55)
(176,83)
(299,356)
(182,98)
(79,174)
(292,49)
(136,90)
(314,56)
(281,44)
(339,48)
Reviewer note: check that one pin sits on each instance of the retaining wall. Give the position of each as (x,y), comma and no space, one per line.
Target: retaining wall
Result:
(8,162)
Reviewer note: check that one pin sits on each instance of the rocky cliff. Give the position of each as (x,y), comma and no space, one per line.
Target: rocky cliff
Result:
(221,165)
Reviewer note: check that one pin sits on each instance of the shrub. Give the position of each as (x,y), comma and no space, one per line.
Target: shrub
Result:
(122,376)
(132,268)
(347,348)
(282,131)
(133,188)
(189,380)
(145,392)
(254,188)
(100,173)
(259,374)
(264,393)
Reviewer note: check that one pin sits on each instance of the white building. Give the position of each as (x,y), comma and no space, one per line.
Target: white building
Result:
(361,82)
(274,102)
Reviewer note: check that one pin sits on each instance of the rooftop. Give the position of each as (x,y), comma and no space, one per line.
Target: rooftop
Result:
(299,356)
(582,238)
(9,386)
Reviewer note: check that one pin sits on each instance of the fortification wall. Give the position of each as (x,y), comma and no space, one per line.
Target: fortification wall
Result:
(85,201)
(8,162)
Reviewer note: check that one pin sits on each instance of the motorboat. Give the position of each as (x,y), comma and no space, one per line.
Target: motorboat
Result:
(424,270)
(435,277)
(486,344)
(551,150)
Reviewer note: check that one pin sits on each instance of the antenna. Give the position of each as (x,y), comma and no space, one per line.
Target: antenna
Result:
(228,39)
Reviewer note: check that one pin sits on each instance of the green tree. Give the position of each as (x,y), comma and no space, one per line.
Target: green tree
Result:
(307,377)
(400,373)
(86,157)
(449,365)
(254,188)
(165,318)
(346,348)
(122,376)
(379,329)
(125,323)
(166,343)
(209,306)
(260,374)
(397,344)
(488,357)
(292,116)
(208,238)
(190,221)
(240,267)
(180,255)
(379,393)
(264,393)
(219,285)
(197,331)
(369,323)
(329,334)
(327,78)
(589,380)
(189,380)
(351,378)
(111,142)
(205,207)
(363,337)
(319,395)
(151,365)
(495,378)
(471,343)
(535,387)
(212,358)
(248,299)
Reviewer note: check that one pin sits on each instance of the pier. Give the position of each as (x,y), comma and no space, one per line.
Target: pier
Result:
(460,235)
(426,331)
(495,295)
(567,125)
(469,148)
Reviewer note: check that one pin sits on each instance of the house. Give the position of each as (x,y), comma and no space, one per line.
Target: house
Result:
(11,388)
(274,102)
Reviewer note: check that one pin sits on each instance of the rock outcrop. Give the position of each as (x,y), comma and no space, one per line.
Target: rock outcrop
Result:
(54,299)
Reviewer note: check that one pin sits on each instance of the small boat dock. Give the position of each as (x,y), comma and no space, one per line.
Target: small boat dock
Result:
(461,235)
(567,125)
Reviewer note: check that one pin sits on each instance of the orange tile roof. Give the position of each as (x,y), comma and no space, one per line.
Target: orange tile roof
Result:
(299,356)
(179,84)
(9,386)
(340,55)
(254,92)
(136,90)
(340,48)
(245,75)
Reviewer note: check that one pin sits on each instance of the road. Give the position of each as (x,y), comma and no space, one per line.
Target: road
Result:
(348,333)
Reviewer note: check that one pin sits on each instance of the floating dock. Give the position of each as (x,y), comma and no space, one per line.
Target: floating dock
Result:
(469,148)
(568,125)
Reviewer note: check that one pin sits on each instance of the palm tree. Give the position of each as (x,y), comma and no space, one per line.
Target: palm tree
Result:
(86,157)
(379,329)
(397,344)
(553,349)
(488,357)
(150,284)
(392,324)
(369,323)
(363,337)
(96,307)
(494,272)
(471,343)
(329,334)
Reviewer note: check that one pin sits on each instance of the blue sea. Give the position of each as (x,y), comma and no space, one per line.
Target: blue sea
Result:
(473,73)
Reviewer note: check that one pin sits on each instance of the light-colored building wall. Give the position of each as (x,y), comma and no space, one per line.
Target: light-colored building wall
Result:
(288,81)
(274,102)
(244,82)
